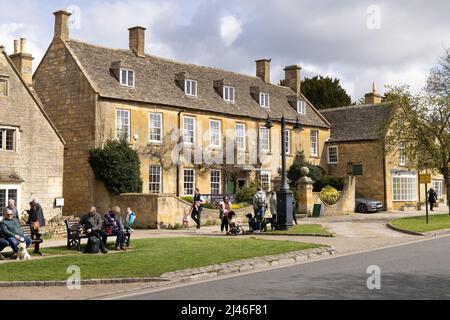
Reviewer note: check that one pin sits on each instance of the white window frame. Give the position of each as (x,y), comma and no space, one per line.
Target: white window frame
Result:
(314,138)
(189,87)
(403,195)
(128,124)
(219,183)
(301,107)
(288,141)
(8,187)
(212,134)
(126,82)
(185,131)
(160,183)
(240,138)
(401,155)
(439,188)
(192,182)
(3,138)
(261,144)
(6,92)
(264,100)
(229,94)
(269,182)
(330,161)
(160,128)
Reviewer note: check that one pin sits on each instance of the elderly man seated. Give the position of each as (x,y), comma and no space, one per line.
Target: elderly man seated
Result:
(3,245)
(13,232)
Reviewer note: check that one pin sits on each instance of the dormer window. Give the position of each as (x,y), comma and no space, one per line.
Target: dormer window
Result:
(190,87)
(228,94)
(264,100)
(301,107)
(127,78)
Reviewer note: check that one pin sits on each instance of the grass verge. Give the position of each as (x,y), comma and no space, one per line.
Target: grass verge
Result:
(149,257)
(418,223)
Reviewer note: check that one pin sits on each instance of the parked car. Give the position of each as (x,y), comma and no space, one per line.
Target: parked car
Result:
(363,204)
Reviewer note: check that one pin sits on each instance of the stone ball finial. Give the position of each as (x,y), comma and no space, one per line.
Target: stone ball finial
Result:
(304,171)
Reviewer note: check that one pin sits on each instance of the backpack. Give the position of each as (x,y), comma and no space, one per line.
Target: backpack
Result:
(131,219)
(93,245)
(260,200)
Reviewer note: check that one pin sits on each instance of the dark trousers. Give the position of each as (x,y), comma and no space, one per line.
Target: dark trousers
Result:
(13,242)
(120,238)
(431,206)
(102,235)
(196,213)
(224,224)
(3,244)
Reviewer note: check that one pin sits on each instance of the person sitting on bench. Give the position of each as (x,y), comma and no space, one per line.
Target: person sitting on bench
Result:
(92,223)
(13,232)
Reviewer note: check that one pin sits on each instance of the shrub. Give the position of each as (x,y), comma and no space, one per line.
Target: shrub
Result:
(245,194)
(118,166)
(335,182)
(235,206)
(315,172)
(209,205)
(329,195)
(188,199)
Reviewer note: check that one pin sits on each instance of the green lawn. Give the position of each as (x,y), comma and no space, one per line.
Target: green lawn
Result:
(418,224)
(148,257)
(306,229)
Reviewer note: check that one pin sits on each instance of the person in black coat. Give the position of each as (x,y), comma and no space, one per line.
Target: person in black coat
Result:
(36,215)
(432,198)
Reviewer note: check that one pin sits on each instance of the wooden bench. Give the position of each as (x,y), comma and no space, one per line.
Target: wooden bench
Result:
(36,238)
(75,233)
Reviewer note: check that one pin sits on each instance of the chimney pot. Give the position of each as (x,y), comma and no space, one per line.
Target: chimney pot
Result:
(62,24)
(263,69)
(23,45)
(137,40)
(16,46)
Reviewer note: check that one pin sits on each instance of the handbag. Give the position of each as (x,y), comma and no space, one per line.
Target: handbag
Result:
(35,225)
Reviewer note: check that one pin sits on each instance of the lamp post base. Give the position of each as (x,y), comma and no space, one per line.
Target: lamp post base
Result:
(285,209)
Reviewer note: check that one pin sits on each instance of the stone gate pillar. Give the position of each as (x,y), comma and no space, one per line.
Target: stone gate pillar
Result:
(305,203)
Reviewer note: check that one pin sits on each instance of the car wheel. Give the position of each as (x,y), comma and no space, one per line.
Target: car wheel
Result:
(362,208)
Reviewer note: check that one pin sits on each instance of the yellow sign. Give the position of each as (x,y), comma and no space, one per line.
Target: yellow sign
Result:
(425,178)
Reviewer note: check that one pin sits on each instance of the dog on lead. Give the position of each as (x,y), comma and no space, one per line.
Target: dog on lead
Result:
(23,253)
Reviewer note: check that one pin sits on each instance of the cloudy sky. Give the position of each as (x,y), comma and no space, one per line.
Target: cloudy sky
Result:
(358,41)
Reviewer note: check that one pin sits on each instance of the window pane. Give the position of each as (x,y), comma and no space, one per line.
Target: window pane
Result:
(240,136)
(288,141)
(264,140)
(2,201)
(314,149)
(189,182)
(124,77)
(216,182)
(1,139)
(131,78)
(155,179)
(404,188)
(123,123)
(155,126)
(265,180)
(189,130)
(10,139)
(214,127)
(3,87)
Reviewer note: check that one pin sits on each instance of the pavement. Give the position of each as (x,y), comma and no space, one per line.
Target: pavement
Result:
(353,233)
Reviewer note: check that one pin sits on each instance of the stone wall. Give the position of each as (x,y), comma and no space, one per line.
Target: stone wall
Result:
(69,100)
(346,203)
(38,154)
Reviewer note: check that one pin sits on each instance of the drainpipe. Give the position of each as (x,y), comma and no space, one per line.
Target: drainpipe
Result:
(384,176)
(178,164)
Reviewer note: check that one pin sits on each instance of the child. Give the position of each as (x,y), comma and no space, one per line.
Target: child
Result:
(185,222)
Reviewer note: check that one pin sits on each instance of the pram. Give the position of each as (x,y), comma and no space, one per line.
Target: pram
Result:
(235,226)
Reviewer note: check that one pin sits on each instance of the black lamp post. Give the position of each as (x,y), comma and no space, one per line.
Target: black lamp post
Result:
(285,210)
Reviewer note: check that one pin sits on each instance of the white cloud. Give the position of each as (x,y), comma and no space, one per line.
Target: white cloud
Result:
(230,30)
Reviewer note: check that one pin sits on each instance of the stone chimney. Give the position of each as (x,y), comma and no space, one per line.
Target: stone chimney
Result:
(62,24)
(292,78)
(263,69)
(23,61)
(137,41)
(373,97)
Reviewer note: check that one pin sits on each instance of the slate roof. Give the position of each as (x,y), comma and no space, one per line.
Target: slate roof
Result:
(156,83)
(357,123)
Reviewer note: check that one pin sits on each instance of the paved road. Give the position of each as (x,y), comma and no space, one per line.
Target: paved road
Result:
(419,270)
